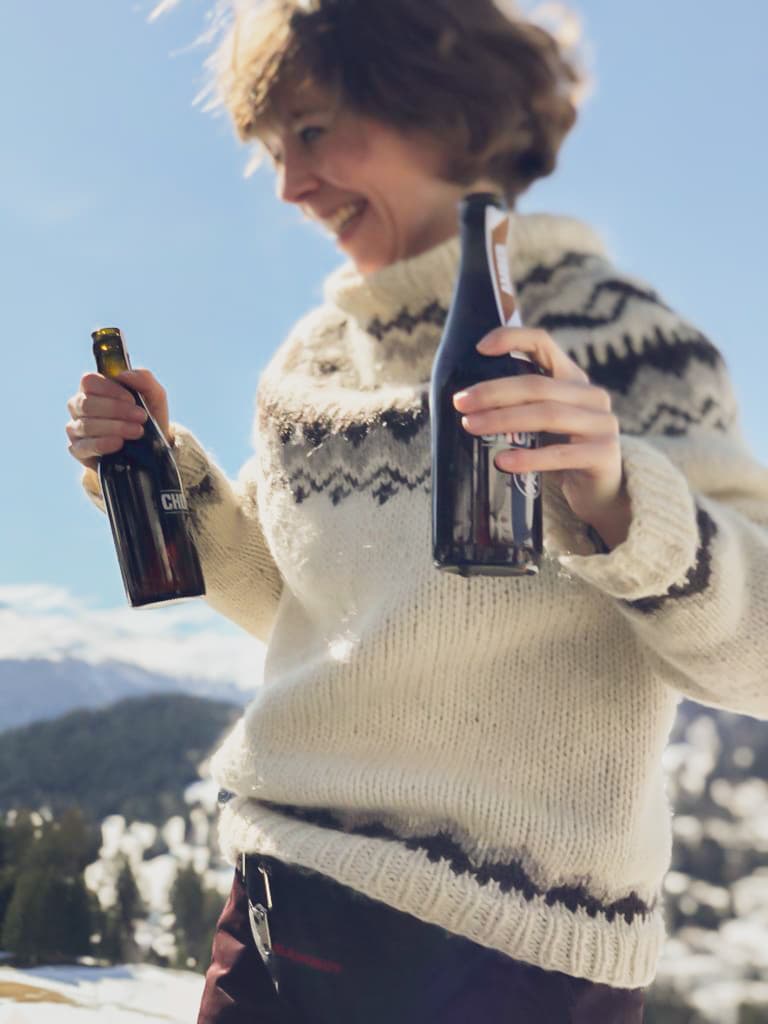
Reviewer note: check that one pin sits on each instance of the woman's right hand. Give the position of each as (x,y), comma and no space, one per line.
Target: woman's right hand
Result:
(105,414)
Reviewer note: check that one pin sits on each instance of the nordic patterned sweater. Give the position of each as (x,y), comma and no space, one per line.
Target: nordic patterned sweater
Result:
(483,753)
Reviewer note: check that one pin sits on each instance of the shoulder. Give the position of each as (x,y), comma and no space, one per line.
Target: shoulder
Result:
(610,320)
(664,372)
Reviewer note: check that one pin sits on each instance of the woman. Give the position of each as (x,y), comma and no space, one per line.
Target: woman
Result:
(447,801)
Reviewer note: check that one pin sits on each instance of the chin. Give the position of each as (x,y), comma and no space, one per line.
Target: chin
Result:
(369,264)
(369,251)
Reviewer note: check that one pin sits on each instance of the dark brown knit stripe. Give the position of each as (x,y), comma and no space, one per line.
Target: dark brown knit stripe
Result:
(684,420)
(620,363)
(543,273)
(406,322)
(403,425)
(698,576)
(619,293)
(339,484)
(205,490)
(509,876)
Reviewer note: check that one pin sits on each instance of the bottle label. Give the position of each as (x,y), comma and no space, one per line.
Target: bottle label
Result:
(529,484)
(496,235)
(173,501)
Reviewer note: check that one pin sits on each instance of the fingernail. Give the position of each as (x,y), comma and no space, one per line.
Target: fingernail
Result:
(460,396)
(484,345)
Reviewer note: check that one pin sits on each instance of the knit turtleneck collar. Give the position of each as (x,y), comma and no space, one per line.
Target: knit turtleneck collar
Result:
(411,284)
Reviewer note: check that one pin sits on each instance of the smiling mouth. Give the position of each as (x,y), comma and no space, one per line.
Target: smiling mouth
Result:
(343,217)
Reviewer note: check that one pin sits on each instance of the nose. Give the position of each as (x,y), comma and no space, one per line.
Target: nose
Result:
(296,178)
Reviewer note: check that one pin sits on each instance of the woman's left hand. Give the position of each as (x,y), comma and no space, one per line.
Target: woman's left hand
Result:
(588,466)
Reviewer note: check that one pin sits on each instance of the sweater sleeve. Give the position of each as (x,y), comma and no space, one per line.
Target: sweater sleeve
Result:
(241,579)
(691,578)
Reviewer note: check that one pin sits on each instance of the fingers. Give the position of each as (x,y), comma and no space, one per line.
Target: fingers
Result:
(153,393)
(538,344)
(593,456)
(90,438)
(548,417)
(104,415)
(92,427)
(97,384)
(145,383)
(88,451)
(82,406)
(530,387)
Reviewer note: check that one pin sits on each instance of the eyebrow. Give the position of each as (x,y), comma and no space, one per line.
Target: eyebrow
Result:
(294,116)
(297,115)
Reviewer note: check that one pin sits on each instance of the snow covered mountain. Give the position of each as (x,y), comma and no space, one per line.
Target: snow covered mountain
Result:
(38,688)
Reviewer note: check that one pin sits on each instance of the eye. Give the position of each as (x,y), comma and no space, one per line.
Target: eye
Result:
(310,133)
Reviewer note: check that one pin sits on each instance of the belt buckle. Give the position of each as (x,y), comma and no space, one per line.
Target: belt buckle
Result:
(257,913)
(260,929)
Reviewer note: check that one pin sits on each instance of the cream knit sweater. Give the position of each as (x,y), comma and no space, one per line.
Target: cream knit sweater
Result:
(483,753)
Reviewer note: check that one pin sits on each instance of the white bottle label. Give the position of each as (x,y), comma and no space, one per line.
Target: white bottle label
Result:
(496,234)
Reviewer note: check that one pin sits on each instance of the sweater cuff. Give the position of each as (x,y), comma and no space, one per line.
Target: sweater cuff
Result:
(663,534)
(193,461)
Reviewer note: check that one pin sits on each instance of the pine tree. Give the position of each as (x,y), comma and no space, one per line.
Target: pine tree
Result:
(7,871)
(20,838)
(130,906)
(196,910)
(47,911)
(48,918)
(19,833)
(116,925)
(68,841)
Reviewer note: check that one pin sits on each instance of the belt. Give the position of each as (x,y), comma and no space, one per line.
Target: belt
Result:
(259,902)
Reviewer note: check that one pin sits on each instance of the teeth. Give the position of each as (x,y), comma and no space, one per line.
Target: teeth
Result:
(342,216)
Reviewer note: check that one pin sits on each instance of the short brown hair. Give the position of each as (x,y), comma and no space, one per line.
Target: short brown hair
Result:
(496,92)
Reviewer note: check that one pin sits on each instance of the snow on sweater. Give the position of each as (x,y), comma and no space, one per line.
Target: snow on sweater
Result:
(483,753)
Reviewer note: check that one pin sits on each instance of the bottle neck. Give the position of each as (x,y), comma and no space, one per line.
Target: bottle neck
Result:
(110,352)
(473,227)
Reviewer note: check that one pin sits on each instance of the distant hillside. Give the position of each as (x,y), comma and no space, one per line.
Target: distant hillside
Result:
(134,758)
(36,689)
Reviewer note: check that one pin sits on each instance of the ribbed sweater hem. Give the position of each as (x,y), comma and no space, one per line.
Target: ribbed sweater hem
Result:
(550,936)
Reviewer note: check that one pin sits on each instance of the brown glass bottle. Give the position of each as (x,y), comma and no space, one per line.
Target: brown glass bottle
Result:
(145,502)
(484,521)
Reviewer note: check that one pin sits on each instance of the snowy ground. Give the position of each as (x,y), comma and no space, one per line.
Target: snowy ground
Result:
(131,994)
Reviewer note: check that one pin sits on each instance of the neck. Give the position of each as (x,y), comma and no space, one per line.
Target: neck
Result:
(446,226)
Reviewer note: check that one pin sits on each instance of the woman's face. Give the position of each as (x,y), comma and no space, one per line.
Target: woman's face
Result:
(374,188)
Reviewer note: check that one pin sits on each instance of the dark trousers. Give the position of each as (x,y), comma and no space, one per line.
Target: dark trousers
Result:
(341,958)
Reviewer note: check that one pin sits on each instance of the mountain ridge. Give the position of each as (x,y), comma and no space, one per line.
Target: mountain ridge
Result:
(136,757)
(38,689)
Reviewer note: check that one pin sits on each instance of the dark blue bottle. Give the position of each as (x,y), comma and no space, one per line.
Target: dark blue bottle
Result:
(484,521)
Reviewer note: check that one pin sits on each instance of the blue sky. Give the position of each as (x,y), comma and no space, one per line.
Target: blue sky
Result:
(122,203)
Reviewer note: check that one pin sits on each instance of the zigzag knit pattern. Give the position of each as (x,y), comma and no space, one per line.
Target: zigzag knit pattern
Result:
(482,753)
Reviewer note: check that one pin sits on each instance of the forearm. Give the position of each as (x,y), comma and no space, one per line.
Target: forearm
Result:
(690,575)
(242,581)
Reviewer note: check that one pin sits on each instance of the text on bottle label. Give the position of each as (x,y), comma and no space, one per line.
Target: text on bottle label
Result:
(173,501)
